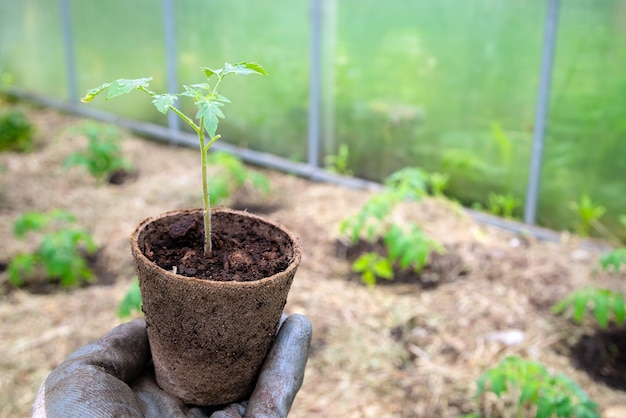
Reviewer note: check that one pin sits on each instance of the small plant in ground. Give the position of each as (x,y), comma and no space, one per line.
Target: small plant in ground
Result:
(208,101)
(604,303)
(339,163)
(408,183)
(61,251)
(407,246)
(502,204)
(372,265)
(16,131)
(535,391)
(588,214)
(103,156)
(231,175)
(131,301)
(613,260)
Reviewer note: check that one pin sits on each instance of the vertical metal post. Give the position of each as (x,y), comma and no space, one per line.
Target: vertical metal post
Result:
(171,67)
(541,116)
(315,83)
(70,64)
(329,41)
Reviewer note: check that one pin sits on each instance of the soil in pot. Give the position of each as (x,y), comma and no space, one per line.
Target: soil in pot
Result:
(237,254)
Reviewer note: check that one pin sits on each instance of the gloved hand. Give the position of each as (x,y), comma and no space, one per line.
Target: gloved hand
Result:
(113,377)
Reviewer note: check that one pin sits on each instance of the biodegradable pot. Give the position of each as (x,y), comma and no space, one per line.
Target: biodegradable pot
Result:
(209,338)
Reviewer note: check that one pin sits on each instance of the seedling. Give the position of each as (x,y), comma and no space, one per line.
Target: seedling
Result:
(411,183)
(233,176)
(613,260)
(535,391)
(502,204)
(604,304)
(339,163)
(16,131)
(406,246)
(588,214)
(208,101)
(103,155)
(60,252)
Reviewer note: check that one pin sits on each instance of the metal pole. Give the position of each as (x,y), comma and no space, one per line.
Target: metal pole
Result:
(329,41)
(541,116)
(171,67)
(70,65)
(315,83)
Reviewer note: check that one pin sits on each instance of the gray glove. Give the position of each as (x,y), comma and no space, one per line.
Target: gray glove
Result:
(113,377)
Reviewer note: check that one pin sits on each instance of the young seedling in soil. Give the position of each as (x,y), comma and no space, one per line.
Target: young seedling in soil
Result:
(103,156)
(605,304)
(535,391)
(208,101)
(406,246)
(60,252)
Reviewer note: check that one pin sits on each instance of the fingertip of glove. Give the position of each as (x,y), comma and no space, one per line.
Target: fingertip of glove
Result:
(301,324)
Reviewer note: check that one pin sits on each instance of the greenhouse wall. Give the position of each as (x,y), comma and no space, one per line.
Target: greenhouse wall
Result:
(445,85)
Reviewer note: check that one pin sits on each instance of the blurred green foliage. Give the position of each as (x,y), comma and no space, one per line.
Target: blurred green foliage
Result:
(446,86)
(16,131)
(103,156)
(61,252)
(536,392)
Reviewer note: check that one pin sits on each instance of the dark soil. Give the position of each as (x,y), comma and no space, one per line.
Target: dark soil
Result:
(603,356)
(121,176)
(234,256)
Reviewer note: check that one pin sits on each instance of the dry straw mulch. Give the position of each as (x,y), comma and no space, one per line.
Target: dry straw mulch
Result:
(386,351)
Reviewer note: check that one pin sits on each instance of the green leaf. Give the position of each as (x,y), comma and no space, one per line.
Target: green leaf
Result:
(528,392)
(91,94)
(363,262)
(619,310)
(613,259)
(209,72)
(601,308)
(123,86)
(163,102)
(371,265)
(544,408)
(409,183)
(211,112)
(369,278)
(19,266)
(244,68)
(383,269)
(580,305)
(498,383)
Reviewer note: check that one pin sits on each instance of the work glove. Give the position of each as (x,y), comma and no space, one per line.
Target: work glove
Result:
(114,377)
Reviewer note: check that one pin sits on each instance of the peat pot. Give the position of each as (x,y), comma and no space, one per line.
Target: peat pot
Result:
(209,338)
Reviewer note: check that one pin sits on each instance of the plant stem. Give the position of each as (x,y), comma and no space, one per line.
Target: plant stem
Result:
(204,148)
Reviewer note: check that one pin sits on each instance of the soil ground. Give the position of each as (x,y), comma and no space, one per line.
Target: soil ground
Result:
(394,350)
